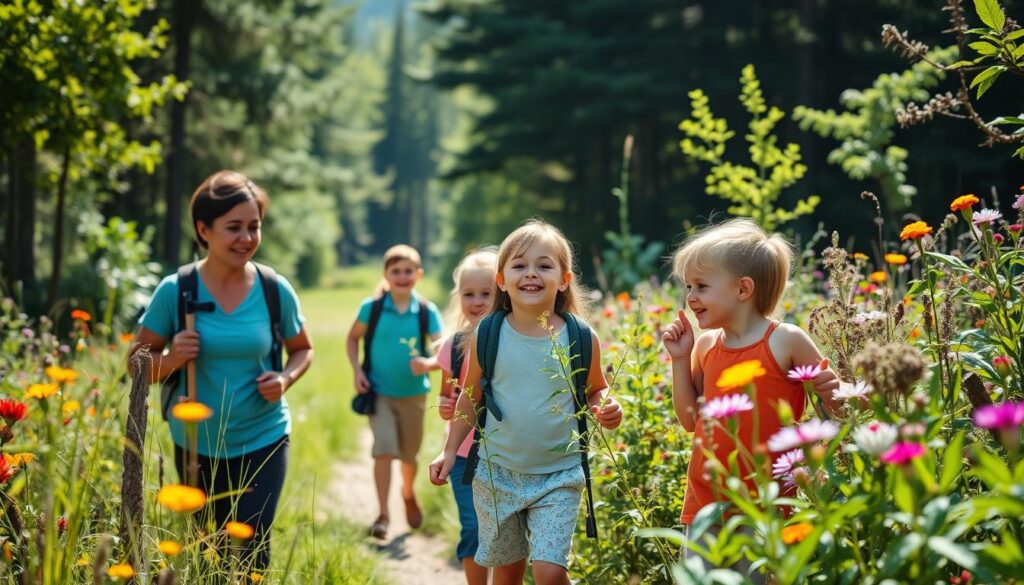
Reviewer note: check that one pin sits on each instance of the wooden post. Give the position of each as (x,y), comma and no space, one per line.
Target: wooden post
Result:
(132,505)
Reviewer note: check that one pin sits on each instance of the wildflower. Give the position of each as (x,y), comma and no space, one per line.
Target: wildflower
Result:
(804,373)
(255,577)
(21,459)
(1002,365)
(12,410)
(239,530)
(191,412)
(1019,203)
(656,309)
(6,471)
(623,299)
(83,561)
(878,277)
(964,202)
(608,312)
(80,345)
(125,337)
(28,333)
(796,532)
(915,230)
(727,406)
(902,453)
(181,498)
(896,259)
(986,216)
(80,315)
(874,438)
(1001,416)
(852,391)
(741,374)
(61,375)
(70,407)
(169,547)
(121,571)
(785,465)
(808,432)
(1015,228)
(860,256)
(861,318)
(646,341)
(62,525)
(41,391)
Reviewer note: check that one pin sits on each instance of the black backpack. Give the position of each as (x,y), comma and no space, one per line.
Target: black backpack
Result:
(188,290)
(488,334)
(371,328)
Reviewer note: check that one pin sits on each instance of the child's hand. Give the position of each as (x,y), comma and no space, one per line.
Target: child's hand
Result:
(419,365)
(440,468)
(609,415)
(678,337)
(361,382)
(446,407)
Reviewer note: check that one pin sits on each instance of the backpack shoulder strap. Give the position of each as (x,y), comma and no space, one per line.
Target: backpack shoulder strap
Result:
(487,337)
(457,355)
(272,296)
(424,319)
(582,352)
(371,328)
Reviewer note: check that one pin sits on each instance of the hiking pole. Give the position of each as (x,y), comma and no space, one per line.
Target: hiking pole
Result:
(192,468)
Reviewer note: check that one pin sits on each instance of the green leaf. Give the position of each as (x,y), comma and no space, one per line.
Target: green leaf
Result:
(984,48)
(984,80)
(954,552)
(1007,119)
(1015,35)
(951,462)
(990,13)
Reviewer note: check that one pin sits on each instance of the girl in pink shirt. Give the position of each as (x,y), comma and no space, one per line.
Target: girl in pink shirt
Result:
(470,300)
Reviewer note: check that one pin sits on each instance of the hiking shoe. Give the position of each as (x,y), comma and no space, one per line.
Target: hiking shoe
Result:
(379,528)
(413,514)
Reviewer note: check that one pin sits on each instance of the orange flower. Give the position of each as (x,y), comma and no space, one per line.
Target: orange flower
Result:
(239,530)
(255,577)
(796,532)
(21,459)
(191,412)
(878,277)
(80,315)
(126,337)
(740,375)
(169,547)
(41,391)
(896,259)
(181,498)
(121,571)
(963,202)
(623,298)
(915,230)
(61,375)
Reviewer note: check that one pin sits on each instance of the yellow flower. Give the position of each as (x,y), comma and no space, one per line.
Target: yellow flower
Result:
(963,202)
(796,532)
(191,412)
(83,561)
(70,407)
(61,375)
(239,530)
(255,577)
(169,547)
(860,256)
(647,340)
(181,498)
(915,230)
(121,571)
(896,259)
(21,459)
(878,277)
(740,375)
(41,391)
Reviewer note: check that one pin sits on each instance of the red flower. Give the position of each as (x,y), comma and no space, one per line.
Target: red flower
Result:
(12,410)
(6,471)
(62,524)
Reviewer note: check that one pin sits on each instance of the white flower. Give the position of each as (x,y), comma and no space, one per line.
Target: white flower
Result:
(811,431)
(861,318)
(852,391)
(874,437)
(985,216)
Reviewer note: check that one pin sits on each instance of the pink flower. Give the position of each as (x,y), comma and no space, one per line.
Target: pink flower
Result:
(727,406)
(786,464)
(1002,365)
(903,453)
(1019,203)
(656,309)
(1002,416)
(998,238)
(804,373)
(986,216)
(1015,228)
(811,431)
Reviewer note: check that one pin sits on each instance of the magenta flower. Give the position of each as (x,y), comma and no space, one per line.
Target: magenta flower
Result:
(1002,365)
(804,373)
(811,431)
(786,464)
(1002,416)
(727,406)
(902,453)
(985,216)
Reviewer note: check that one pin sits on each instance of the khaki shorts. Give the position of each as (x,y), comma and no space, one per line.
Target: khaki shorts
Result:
(397,427)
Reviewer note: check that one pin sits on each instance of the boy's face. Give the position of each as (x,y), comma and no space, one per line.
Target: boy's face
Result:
(402,276)
(534,277)
(712,296)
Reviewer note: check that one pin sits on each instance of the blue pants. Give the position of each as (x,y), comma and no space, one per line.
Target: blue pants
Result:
(469,539)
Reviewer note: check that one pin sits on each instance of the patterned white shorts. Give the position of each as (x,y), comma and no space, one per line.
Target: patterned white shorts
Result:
(525,513)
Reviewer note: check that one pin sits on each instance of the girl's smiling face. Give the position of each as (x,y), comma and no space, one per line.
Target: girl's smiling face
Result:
(713,296)
(402,276)
(234,237)
(476,293)
(534,277)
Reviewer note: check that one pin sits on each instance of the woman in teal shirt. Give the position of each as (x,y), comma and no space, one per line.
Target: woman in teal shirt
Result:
(245,443)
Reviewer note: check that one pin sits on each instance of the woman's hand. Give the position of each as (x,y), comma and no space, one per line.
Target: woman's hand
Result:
(441,467)
(361,382)
(272,385)
(184,347)
(678,338)
(608,414)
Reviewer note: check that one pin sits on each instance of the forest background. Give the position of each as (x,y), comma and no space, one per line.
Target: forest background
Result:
(444,124)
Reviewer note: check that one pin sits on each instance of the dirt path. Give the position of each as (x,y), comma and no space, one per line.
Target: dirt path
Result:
(409,558)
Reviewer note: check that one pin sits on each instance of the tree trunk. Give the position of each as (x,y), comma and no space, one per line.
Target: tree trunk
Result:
(58,231)
(177,155)
(19,249)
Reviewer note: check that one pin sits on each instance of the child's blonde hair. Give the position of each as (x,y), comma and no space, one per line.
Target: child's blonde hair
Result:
(485,258)
(568,301)
(397,254)
(741,247)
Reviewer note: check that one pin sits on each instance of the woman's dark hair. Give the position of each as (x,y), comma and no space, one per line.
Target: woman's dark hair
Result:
(219,194)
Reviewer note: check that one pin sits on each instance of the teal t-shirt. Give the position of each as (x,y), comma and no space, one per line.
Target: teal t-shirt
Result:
(234,349)
(390,373)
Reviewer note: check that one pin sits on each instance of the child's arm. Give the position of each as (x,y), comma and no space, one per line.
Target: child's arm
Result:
(356,333)
(421,365)
(463,421)
(804,352)
(678,340)
(606,410)
(446,405)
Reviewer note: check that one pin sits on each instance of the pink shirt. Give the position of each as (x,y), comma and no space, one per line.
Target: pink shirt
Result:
(444,359)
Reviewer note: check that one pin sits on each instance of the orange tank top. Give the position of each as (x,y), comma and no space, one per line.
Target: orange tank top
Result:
(773,387)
